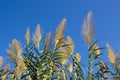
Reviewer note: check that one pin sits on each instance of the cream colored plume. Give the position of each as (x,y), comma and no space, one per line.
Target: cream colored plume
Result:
(5,70)
(70,43)
(68,50)
(37,36)
(70,67)
(96,49)
(78,56)
(88,29)
(14,50)
(47,41)
(1,61)
(19,68)
(111,54)
(59,31)
(27,36)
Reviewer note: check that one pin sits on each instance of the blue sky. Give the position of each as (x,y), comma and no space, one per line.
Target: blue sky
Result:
(17,15)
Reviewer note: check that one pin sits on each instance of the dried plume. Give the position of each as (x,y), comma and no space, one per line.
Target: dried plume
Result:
(1,61)
(68,50)
(78,56)
(14,50)
(70,67)
(88,29)
(59,31)
(111,55)
(70,43)
(37,36)
(27,36)
(96,49)
(5,72)
(47,42)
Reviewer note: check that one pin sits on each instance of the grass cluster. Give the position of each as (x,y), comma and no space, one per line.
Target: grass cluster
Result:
(56,59)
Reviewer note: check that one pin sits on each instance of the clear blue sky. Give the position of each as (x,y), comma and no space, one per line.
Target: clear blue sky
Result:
(17,15)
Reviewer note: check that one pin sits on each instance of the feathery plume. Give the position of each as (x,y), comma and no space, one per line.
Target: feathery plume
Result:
(63,55)
(37,36)
(68,50)
(47,41)
(70,67)
(4,77)
(59,31)
(111,55)
(96,49)
(78,57)
(18,70)
(1,61)
(14,50)
(70,43)
(27,36)
(5,72)
(21,64)
(88,29)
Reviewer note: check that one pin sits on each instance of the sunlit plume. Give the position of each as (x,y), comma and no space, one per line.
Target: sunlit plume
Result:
(88,29)
(78,56)
(67,50)
(37,36)
(21,64)
(20,67)
(111,54)
(47,42)
(27,36)
(96,49)
(60,32)
(70,67)
(1,61)
(14,50)
(5,70)
(71,45)
(63,55)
